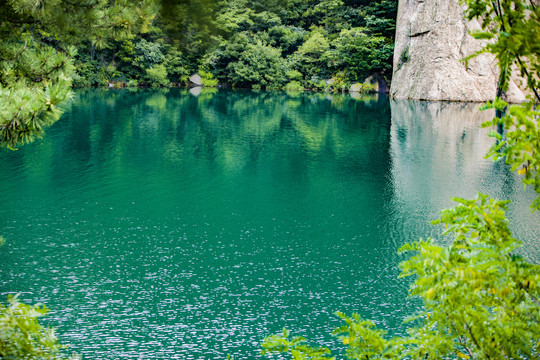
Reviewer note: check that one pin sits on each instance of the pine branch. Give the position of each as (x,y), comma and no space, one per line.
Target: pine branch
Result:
(18,54)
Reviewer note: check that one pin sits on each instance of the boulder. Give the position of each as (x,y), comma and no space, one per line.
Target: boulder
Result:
(196,79)
(356,87)
(432,37)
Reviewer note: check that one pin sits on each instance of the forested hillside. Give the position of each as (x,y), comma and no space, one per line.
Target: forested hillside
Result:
(258,44)
(48,47)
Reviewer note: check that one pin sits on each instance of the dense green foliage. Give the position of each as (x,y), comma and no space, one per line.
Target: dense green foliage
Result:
(21,335)
(316,40)
(480,299)
(255,44)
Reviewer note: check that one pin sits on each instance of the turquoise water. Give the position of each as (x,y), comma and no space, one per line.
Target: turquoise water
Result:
(176,224)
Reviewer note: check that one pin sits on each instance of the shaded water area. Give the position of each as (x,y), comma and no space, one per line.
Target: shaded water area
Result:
(170,224)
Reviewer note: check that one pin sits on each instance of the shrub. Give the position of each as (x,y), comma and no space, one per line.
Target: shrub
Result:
(21,335)
(294,75)
(404,57)
(294,86)
(157,76)
(208,78)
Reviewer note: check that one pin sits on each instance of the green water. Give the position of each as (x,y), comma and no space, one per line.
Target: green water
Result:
(170,224)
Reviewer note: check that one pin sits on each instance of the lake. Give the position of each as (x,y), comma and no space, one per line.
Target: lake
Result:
(191,224)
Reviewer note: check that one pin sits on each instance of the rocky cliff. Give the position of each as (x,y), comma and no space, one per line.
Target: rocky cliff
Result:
(432,37)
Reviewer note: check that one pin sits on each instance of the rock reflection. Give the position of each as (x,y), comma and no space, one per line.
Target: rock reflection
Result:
(438,149)
(195,91)
(438,152)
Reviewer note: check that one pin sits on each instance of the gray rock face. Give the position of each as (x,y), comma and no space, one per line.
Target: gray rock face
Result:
(432,37)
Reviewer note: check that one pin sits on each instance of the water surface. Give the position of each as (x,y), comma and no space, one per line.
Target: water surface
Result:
(170,224)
